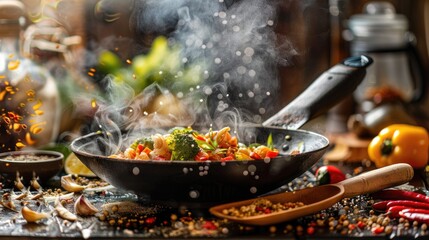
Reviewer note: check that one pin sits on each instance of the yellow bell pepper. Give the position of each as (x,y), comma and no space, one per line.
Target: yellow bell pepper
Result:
(400,143)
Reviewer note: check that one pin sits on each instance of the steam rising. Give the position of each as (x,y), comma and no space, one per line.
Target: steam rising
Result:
(232,42)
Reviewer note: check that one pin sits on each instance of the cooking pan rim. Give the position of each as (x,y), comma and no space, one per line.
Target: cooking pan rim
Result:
(76,149)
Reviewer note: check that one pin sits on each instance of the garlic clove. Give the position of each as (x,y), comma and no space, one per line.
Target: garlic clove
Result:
(18,183)
(33,216)
(34,183)
(20,196)
(70,185)
(36,196)
(83,207)
(63,212)
(9,205)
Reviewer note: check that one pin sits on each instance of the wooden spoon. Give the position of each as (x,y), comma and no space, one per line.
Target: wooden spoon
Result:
(322,197)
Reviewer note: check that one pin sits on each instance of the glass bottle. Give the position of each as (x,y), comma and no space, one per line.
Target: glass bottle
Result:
(29,103)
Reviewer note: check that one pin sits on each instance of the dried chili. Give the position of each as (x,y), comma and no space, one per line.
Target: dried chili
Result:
(393,194)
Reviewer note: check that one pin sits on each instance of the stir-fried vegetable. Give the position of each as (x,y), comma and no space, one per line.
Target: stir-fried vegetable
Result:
(183,144)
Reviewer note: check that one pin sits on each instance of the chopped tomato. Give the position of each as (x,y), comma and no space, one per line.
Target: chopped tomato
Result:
(139,148)
(202,156)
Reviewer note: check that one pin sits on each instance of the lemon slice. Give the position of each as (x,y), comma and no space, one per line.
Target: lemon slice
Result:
(73,165)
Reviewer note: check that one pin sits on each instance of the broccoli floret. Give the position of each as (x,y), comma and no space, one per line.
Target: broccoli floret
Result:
(183,147)
(145,141)
(181,130)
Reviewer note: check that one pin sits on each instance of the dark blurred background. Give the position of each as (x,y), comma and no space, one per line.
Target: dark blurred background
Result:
(313,29)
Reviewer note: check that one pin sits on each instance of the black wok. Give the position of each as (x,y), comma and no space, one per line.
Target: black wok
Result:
(217,182)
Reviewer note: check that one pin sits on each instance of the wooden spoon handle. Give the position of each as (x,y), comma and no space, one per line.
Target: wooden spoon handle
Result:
(378,179)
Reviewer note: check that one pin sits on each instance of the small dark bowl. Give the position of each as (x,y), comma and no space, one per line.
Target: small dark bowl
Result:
(49,164)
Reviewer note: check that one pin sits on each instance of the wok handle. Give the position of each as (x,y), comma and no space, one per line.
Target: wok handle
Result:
(326,91)
(378,179)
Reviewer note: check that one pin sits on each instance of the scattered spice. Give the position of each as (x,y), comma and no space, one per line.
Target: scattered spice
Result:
(259,207)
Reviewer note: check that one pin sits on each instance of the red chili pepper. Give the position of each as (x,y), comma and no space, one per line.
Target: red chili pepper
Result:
(380,206)
(408,203)
(392,194)
(394,211)
(272,154)
(199,137)
(255,156)
(228,158)
(419,215)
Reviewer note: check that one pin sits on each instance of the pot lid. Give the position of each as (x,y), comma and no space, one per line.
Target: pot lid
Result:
(378,16)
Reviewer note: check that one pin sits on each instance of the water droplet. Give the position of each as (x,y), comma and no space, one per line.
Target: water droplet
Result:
(246,59)
(251,168)
(262,110)
(256,177)
(217,60)
(238,53)
(201,168)
(251,94)
(285,147)
(185,170)
(241,69)
(207,90)
(224,22)
(288,137)
(252,73)
(270,22)
(194,194)
(136,171)
(253,189)
(236,28)
(245,172)
(267,160)
(249,51)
